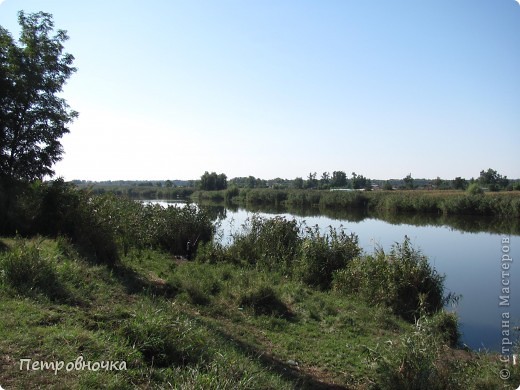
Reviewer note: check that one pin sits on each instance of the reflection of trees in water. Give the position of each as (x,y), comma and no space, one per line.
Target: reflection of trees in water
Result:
(465,223)
(214,211)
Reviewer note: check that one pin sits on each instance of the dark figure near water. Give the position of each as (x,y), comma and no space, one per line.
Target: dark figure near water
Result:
(188,250)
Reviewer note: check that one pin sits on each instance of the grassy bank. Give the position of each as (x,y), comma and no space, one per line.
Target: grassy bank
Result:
(503,204)
(100,279)
(199,325)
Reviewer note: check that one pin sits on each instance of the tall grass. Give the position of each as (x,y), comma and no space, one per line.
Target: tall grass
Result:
(323,254)
(505,204)
(402,279)
(419,359)
(165,338)
(284,246)
(25,271)
(102,226)
(267,243)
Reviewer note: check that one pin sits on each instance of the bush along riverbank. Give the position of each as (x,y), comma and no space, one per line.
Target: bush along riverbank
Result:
(503,204)
(97,281)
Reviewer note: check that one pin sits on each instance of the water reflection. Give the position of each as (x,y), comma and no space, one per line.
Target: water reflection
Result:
(464,223)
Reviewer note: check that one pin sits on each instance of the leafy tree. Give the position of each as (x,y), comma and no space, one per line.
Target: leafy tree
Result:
(438,182)
(493,180)
(359,181)
(408,181)
(325,180)
(387,186)
(339,179)
(312,182)
(33,117)
(212,181)
(251,182)
(459,183)
(298,183)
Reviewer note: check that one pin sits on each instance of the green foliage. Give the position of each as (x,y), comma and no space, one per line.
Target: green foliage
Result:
(459,183)
(261,330)
(298,183)
(103,225)
(266,243)
(474,189)
(25,270)
(447,326)
(339,179)
(211,252)
(212,181)
(178,225)
(387,186)
(323,254)
(360,181)
(231,193)
(402,279)
(277,244)
(493,180)
(415,361)
(33,117)
(408,182)
(57,208)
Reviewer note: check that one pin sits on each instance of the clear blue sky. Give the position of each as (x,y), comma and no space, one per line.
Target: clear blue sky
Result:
(170,89)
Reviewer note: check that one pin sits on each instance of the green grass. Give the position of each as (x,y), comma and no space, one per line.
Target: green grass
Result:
(193,325)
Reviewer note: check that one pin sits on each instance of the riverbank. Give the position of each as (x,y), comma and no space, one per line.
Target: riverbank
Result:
(96,291)
(446,202)
(201,325)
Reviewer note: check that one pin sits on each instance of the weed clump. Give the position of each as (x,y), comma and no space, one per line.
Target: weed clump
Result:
(263,299)
(323,254)
(25,271)
(422,359)
(402,279)
(165,339)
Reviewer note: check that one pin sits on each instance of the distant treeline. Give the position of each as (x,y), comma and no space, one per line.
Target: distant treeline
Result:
(139,191)
(488,180)
(452,202)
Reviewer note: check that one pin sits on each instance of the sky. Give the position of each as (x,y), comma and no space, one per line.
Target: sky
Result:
(169,89)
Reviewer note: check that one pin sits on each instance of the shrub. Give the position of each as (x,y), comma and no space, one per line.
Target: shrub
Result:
(447,326)
(211,252)
(176,226)
(231,193)
(267,243)
(474,189)
(101,225)
(402,280)
(323,254)
(421,359)
(24,270)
